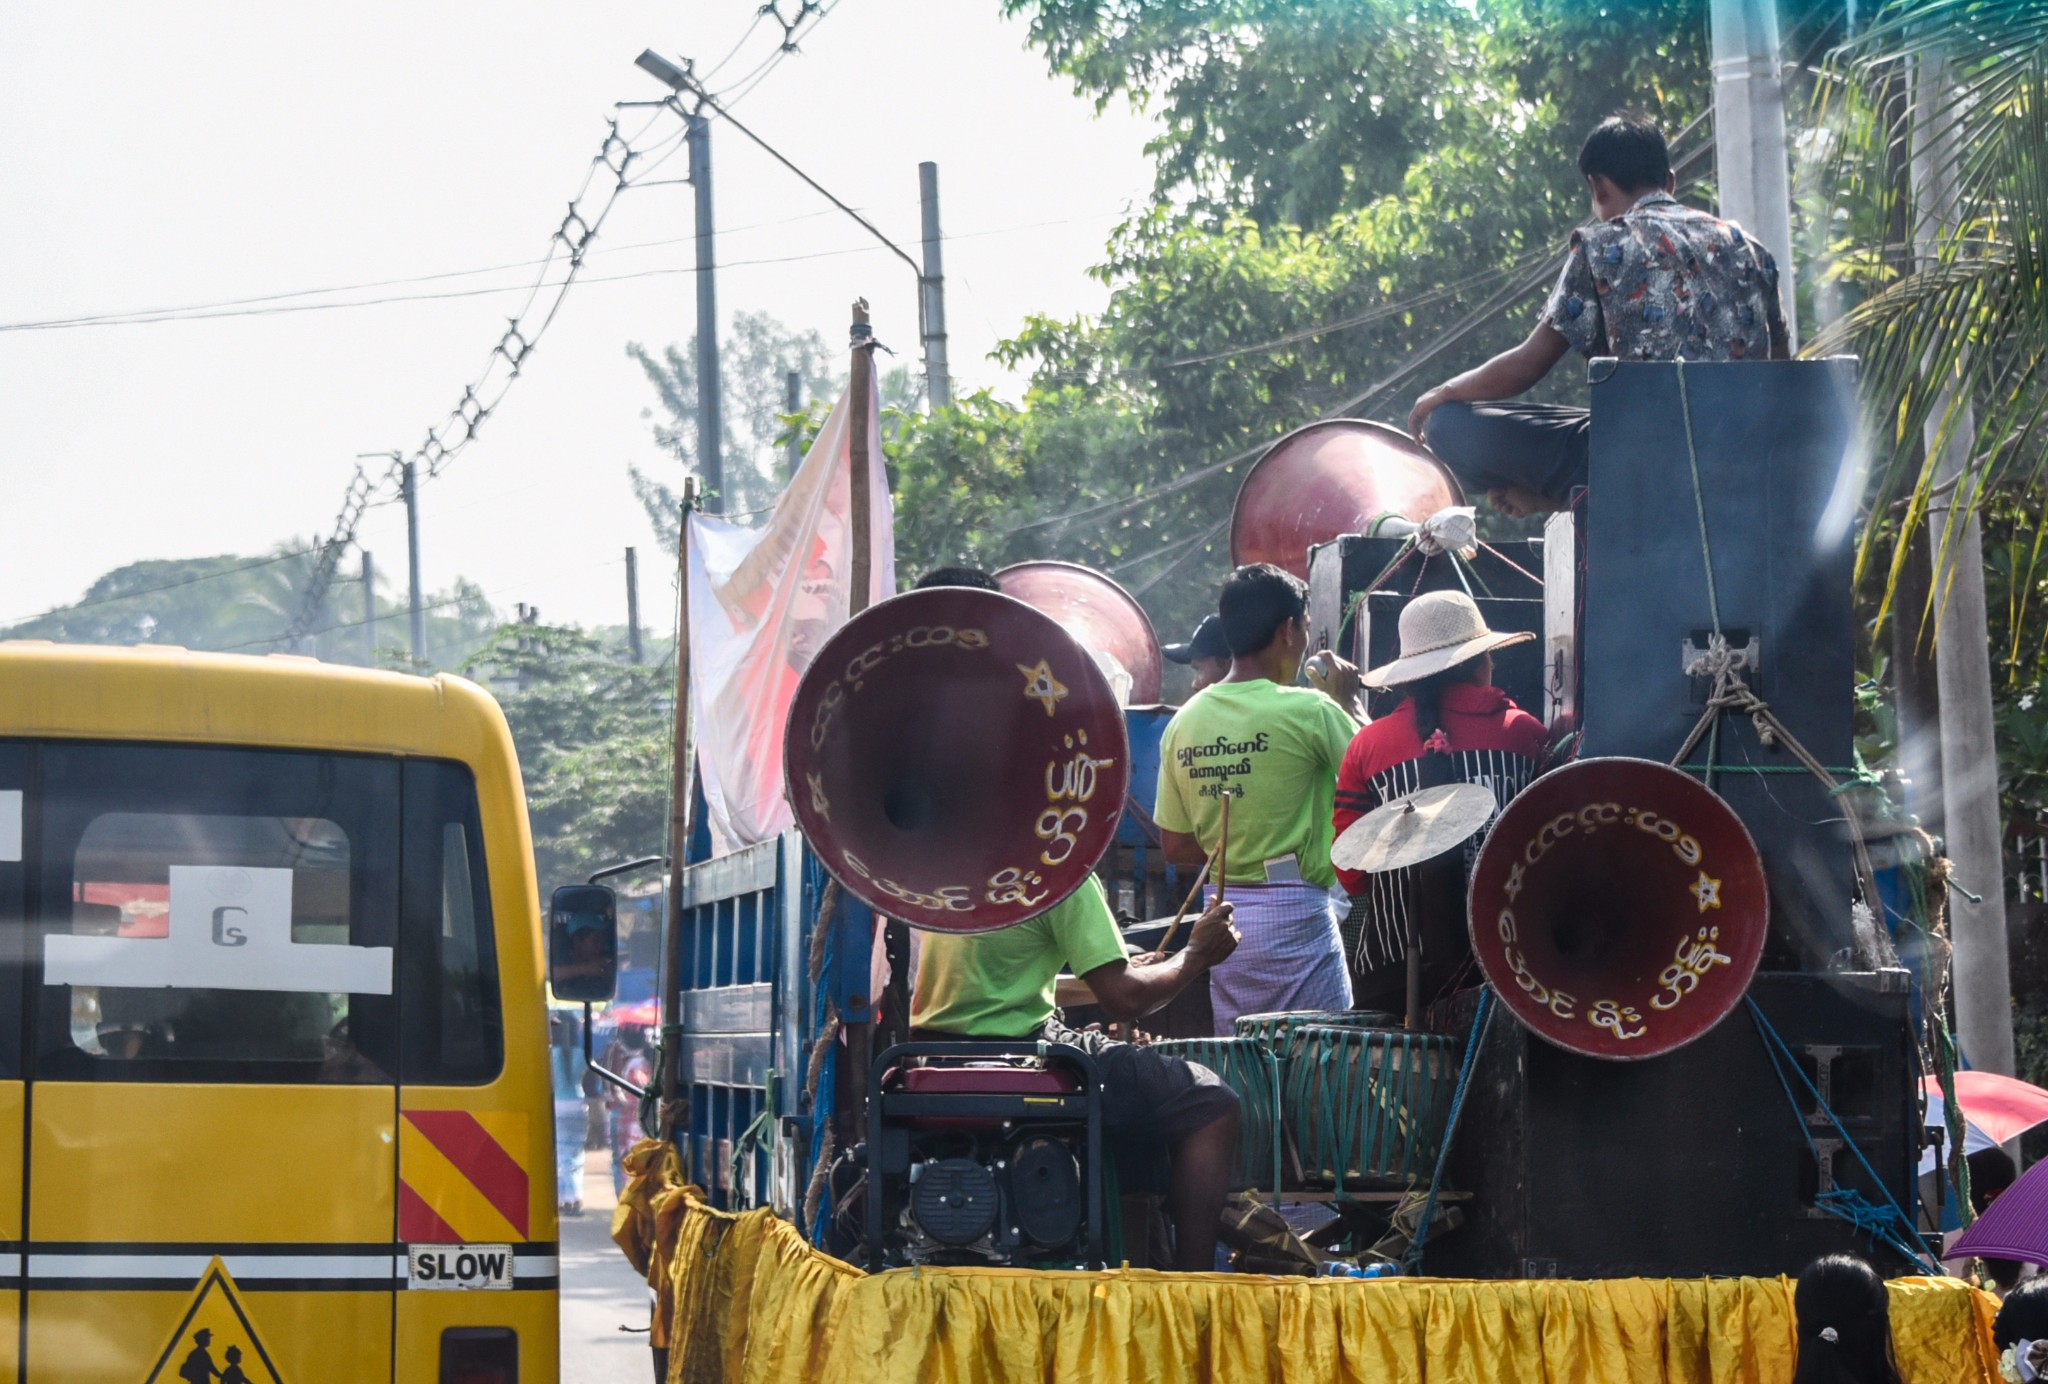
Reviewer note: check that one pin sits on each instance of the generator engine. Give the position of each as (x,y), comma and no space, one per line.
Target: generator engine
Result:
(984,1153)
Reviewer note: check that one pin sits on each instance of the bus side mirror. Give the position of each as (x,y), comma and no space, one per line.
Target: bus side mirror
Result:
(583,943)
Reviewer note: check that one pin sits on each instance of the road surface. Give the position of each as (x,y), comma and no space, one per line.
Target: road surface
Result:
(600,1293)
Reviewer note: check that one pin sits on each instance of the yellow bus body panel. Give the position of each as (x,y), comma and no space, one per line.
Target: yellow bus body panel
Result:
(92,1140)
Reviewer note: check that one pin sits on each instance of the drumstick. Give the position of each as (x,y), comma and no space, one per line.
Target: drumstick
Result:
(1185,905)
(1215,858)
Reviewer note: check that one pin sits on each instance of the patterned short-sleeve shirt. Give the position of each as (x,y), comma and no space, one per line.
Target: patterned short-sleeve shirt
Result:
(1663,281)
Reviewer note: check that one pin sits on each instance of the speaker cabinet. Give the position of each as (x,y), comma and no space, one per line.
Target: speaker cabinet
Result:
(1778,479)
(1687,1164)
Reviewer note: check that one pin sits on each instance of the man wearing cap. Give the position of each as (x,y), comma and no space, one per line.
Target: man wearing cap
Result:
(1273,749)
(1206,653)
(1454,727)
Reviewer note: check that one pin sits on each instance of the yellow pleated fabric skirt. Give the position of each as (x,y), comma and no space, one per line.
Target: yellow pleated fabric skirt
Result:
(752,1303)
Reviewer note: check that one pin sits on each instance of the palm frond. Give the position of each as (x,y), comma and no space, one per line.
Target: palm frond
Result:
(1955,333)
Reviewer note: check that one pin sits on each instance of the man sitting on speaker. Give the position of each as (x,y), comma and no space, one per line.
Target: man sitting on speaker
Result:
(1655,280)
(1274,749)
(1454,727)
(1000,985)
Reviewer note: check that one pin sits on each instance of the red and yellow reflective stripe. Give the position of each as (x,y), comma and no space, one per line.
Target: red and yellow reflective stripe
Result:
(459,1181)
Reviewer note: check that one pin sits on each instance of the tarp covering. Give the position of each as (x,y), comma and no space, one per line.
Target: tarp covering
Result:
(754,1304)
(761,603)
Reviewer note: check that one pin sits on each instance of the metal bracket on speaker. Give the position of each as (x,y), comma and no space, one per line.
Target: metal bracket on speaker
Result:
(1824,1172)
(1744,643)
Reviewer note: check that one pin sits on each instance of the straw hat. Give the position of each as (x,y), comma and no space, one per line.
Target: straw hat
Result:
(1439,630)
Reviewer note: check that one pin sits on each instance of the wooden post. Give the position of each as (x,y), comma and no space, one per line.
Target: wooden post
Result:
(859,520)
(859,1037)
(681,826)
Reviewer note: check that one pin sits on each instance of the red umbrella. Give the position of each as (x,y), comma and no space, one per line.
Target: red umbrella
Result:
(646,1014)
(2003,1107)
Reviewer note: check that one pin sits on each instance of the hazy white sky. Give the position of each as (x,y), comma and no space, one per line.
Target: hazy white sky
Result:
(162,155)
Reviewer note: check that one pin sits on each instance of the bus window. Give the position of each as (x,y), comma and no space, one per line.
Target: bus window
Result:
(216,915)
(452,1022)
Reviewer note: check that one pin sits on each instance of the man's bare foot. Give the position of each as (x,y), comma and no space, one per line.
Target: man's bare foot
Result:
(1519,503)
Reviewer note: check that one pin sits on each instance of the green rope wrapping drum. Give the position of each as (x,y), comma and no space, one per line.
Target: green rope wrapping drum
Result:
(1247,1068)
(1367,1107)
(1277,1029)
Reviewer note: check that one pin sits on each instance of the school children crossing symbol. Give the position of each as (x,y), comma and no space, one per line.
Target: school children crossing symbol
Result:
(215,1342)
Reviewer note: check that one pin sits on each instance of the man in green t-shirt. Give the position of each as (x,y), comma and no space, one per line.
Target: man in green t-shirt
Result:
(1274,749)
(992,985)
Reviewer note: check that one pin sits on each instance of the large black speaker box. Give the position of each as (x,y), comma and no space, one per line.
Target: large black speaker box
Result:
(1687,1164)
(1778,479)
(1503,579)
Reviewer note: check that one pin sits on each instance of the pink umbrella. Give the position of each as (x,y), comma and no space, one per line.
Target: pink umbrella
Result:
(2002,1107)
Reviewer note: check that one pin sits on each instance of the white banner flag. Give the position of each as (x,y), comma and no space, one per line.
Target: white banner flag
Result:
(762,602)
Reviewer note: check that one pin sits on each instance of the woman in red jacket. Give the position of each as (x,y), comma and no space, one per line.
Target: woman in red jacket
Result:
(1454,727)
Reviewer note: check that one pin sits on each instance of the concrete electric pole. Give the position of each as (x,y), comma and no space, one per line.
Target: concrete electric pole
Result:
(1751,163)
(411,491)
(633,604)
(369,611)
(931,283)
(1962,645)
(710,398)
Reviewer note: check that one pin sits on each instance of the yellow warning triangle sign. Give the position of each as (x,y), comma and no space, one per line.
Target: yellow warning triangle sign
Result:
(215,1342)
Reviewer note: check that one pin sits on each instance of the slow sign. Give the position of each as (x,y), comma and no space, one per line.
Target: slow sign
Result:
(461,1266)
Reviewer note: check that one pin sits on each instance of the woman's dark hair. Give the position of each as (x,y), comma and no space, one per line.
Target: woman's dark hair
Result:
(1255,602)
(2023,1316)
(1629,151)
(1845,1324)
(1428,695)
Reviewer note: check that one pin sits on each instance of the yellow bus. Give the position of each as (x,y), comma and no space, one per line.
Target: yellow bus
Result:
(274,1095)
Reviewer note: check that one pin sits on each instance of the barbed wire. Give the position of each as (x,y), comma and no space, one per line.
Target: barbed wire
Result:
(611,173)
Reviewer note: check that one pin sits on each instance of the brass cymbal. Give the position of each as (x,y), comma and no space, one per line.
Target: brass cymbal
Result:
(1415,828)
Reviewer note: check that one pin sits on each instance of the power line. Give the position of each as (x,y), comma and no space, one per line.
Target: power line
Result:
(136,594)
(274,305)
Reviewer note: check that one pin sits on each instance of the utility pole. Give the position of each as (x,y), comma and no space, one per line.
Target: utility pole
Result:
(633,604)
(1962,645)
(795,401)
(931,284)
(369,611)
(410,489)
(1749,131)
(710,400)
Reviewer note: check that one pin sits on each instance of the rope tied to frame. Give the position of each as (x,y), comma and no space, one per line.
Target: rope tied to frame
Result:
(1889,1222)
(816,1070)
(1482,1021)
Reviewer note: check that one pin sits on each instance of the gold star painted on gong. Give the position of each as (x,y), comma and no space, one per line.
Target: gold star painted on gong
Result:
(1707,890)
(819,803)
(1042,686)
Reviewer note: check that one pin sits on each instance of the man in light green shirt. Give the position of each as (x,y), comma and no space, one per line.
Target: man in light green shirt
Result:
(999,985)
(1274,750)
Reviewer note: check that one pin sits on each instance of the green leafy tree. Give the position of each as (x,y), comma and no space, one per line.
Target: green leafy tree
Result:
(755,357)
(593,735)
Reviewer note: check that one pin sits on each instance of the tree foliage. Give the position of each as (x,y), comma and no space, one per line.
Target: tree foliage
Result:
(755,356)
(240,604)
(593,735)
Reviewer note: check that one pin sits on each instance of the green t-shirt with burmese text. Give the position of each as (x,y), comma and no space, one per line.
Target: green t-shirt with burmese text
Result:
(1000,984)
(1277,750)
